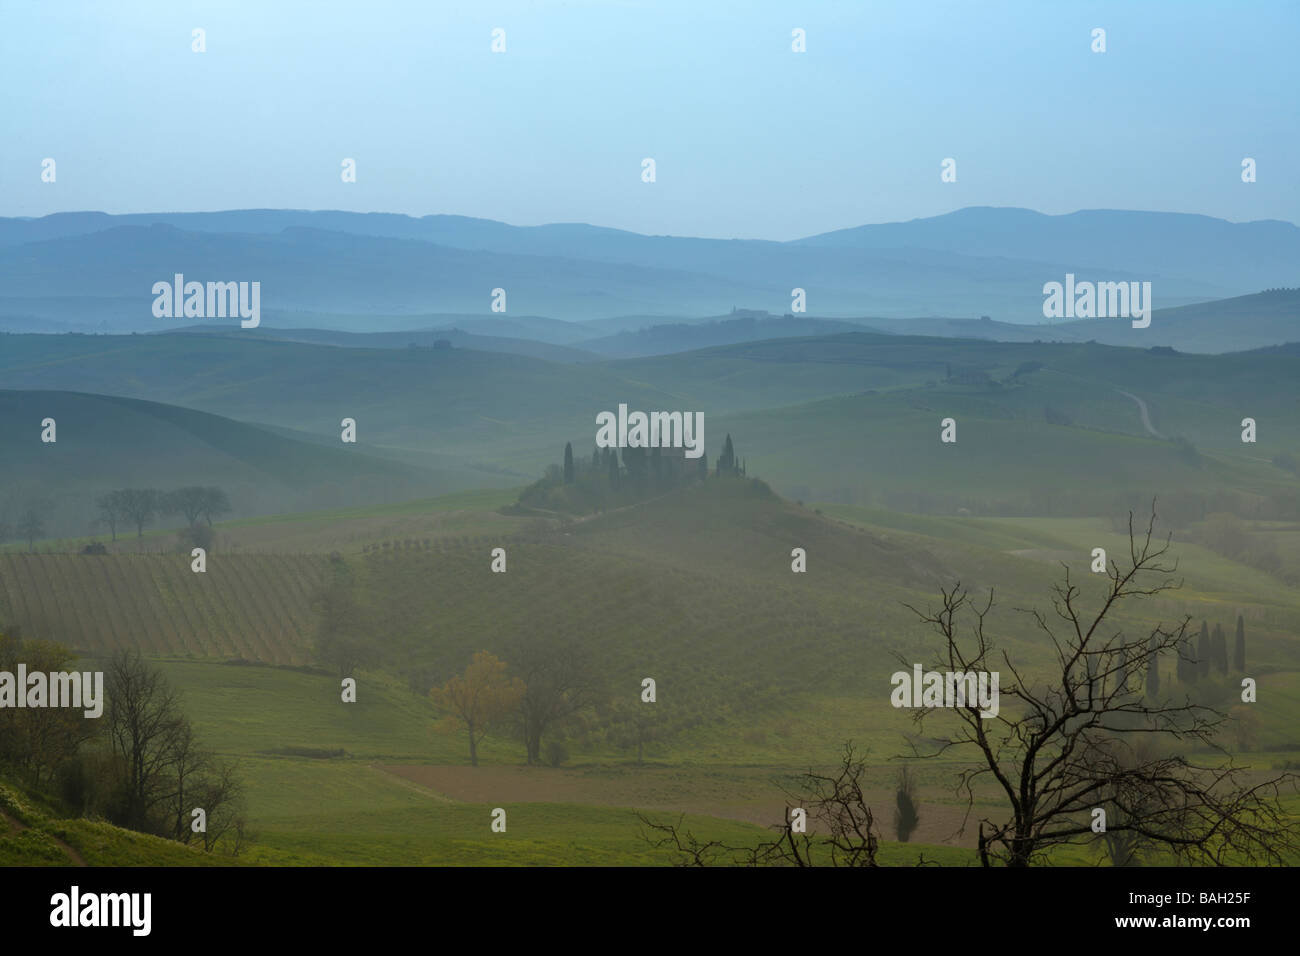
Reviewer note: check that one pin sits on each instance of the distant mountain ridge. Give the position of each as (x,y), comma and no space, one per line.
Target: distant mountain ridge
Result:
(1238,324)
(683,337)
(974,261)
(414,338)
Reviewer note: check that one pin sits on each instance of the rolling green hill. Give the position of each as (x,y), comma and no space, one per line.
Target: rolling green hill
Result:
(1222,325)
(107,442)
(789,371)
(761,672)
(884,450)
(1236,324)
(1039,423)
(445,408)
(32,836)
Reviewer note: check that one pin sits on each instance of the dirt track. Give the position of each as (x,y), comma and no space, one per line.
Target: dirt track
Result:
(748,795)
(16,826)
(1142,410)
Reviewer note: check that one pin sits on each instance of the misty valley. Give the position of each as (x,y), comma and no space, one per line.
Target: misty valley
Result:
(504,452)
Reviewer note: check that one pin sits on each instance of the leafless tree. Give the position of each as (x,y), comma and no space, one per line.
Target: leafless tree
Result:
(240,835)
(168,774)
(145,727)
(112,510)
(221,795)
(559,683)
(188,765)
(841,828)
(187,501)
(140,506)
(215,503)
(1065,744)
(31,522)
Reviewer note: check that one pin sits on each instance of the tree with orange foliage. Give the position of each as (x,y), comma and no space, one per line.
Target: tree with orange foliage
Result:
(480,696)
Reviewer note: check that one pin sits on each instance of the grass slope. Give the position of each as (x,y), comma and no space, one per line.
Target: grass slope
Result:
(761,673)
(32,835)
(248,606)
(491,418)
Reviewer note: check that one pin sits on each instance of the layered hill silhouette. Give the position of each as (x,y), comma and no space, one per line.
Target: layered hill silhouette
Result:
(443,337)
(106,442)
(851,417)
(1237,324)
(93,271)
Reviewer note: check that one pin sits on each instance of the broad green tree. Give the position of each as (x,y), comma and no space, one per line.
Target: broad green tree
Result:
(480,697)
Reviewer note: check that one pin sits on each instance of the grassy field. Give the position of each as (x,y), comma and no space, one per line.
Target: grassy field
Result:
(245,606)
(403,792)
(348,530)
(813,413)
(883,450)
(762,673)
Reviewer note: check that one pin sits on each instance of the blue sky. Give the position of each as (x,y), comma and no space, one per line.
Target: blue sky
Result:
(750,139)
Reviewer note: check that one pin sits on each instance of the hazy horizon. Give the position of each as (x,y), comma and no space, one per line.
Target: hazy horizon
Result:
(599,225)
(594,433)
(748,142)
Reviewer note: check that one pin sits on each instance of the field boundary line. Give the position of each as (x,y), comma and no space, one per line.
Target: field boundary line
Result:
(411,784)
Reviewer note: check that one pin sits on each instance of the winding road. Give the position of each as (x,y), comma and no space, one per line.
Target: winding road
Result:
(1146,416)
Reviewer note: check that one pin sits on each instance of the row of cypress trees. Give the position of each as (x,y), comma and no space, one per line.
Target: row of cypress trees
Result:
(638,462)
(1211,653)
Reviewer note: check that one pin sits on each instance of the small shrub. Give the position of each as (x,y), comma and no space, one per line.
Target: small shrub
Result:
(197,536)
(556,753)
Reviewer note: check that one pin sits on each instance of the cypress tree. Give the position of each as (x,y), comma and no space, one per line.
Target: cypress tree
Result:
(637,463)
(1239,649)
(568,463)
(1219,647)
(1203,652)
(1186,661)
(1153,672)
(727,460)
(906,814)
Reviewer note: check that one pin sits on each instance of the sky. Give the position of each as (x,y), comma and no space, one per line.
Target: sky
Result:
(750,139)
